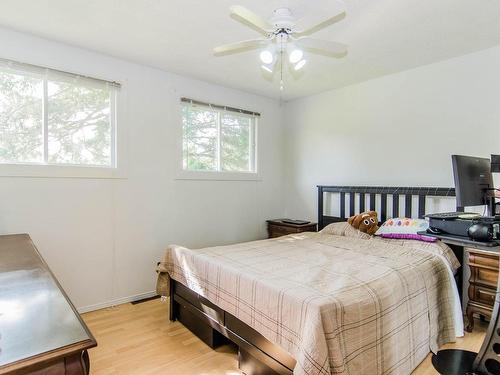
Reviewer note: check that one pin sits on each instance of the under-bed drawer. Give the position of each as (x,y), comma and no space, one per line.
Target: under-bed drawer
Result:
(202,304)
(250,365)
(256,339)
(200,324)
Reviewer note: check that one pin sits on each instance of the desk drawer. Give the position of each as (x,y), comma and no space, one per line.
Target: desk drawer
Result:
(483,269)
(482,295)
(488,261)
(484,277)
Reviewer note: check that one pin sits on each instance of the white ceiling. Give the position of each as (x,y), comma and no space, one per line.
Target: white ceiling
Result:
(384,36)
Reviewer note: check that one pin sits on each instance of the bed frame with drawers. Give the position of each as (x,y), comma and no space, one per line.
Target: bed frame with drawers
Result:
(256,354)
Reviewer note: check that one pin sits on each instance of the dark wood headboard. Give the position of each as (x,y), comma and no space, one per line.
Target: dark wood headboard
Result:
(371,192)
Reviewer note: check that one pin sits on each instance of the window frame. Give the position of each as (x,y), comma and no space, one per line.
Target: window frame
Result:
(45,169)
(216,175)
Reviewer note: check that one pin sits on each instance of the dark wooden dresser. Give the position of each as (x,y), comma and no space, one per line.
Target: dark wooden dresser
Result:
(40,330)
(483,280)
(277,228)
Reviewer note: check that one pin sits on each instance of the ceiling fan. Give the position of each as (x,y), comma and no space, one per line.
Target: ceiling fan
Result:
(281,36)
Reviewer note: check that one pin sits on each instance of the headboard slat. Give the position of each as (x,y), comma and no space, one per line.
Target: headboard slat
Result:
(383,208)
(361,202)
(351,204)
(408,205)
(372,201)
(342,204)
(421,206)
(320,204)
(395,205)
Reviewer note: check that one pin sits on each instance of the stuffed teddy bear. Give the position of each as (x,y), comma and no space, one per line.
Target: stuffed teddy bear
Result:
(366,222)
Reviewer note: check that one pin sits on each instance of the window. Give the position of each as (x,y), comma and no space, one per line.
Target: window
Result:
(54,118)
(218,139)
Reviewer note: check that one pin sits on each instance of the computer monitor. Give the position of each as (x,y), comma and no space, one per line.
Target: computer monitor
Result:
(473,180)
(495,163)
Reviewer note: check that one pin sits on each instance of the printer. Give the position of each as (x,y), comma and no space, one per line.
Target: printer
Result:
(469,225)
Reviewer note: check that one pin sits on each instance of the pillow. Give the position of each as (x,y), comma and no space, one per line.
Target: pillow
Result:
(404,228)
(344,229)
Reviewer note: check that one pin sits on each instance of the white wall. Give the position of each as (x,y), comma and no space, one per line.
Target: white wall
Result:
(103,237)
(397,130)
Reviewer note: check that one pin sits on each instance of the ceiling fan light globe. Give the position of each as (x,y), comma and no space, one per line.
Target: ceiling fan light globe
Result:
(300,64)
(295,56)
(266,57)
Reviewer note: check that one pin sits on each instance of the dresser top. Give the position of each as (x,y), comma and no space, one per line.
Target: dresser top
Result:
(36,317)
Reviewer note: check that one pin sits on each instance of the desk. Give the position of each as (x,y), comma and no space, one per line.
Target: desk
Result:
(462,362)
(41,332)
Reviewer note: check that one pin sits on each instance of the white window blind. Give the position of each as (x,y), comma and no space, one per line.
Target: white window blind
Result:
(218,139)
(56,118)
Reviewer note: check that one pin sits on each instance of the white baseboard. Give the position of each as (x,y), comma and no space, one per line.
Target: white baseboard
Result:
(114,302)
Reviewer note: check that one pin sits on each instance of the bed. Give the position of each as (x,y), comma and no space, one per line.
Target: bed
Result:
(333,302)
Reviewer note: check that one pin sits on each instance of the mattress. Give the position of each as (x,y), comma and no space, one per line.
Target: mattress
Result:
(337,304)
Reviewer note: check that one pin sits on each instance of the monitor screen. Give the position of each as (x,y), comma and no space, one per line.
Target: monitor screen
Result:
(495,163)
(472,180)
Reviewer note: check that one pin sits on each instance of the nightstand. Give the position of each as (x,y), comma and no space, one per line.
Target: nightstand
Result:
(277,228)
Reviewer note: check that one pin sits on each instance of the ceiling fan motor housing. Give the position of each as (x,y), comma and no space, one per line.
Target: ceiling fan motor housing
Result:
(283,19)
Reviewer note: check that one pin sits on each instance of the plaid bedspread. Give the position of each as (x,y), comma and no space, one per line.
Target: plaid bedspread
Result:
(338,305)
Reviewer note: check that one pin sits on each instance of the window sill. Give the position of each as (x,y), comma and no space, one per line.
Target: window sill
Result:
(218,176)
(59,171)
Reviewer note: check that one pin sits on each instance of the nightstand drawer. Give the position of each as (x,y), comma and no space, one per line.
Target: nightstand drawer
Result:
(277,231)
(482,295)
(277,228)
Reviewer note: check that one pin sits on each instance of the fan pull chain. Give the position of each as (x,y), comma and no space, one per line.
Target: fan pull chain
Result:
(281,66)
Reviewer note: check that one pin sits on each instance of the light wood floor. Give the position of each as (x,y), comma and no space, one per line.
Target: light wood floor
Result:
(140,340)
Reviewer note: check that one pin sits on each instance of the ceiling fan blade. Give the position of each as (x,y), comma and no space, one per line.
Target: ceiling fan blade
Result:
(321,25)
(324,47)
(251,19)
(237,47)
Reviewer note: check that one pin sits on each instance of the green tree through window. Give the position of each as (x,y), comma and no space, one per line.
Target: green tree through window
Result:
(217,140)
(21,119)
(50,117)
(79,124)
